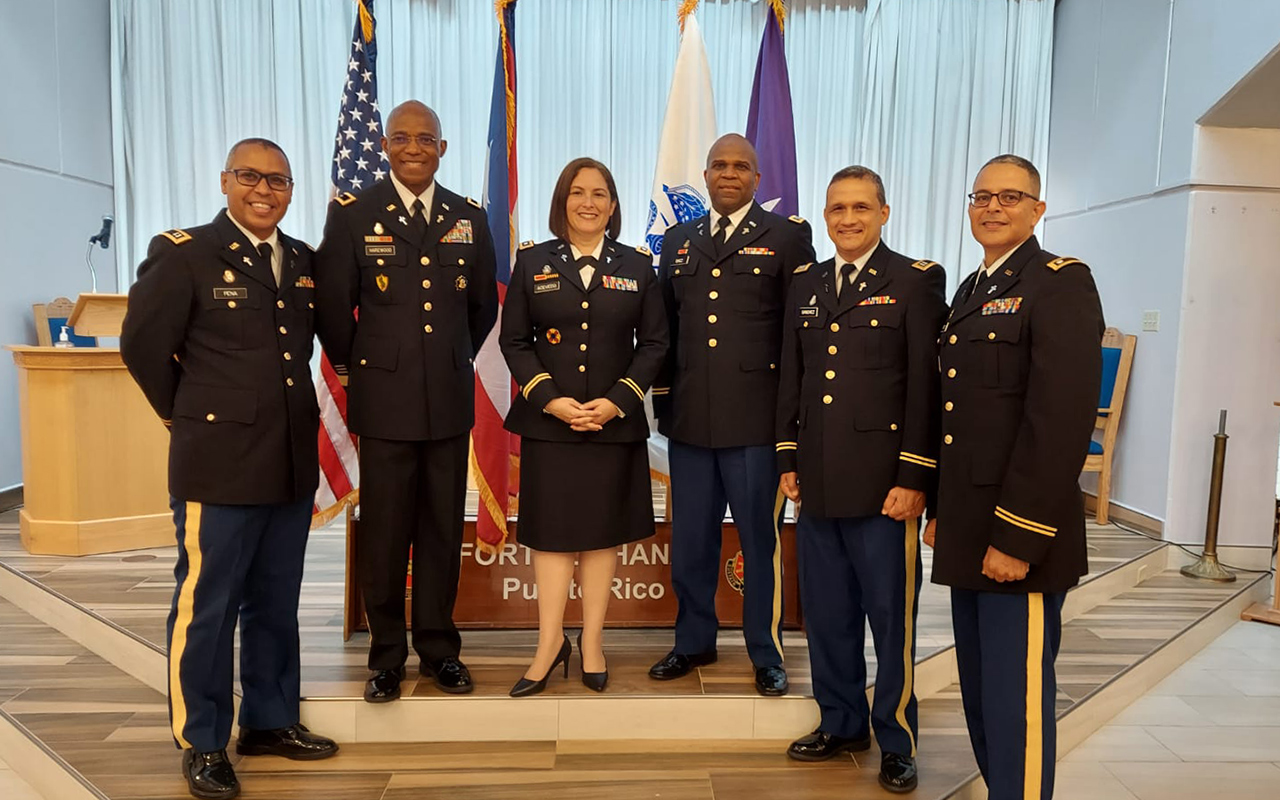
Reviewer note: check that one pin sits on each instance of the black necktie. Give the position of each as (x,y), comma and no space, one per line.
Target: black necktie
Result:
(721,227)
(265,251)
(846,277)
(982,280)
(419,217)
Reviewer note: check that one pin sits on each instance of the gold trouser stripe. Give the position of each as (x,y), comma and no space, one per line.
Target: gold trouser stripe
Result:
(633,386)
(924,462)
(1035,697)
(1018,522)
(908,665)
(776,620)
(186,609)
(537,379)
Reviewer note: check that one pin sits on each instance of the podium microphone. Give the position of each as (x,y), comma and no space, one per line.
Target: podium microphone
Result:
(103,240)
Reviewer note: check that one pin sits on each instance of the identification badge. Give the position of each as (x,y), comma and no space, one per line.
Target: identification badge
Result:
(379,249)
(548,286)
(231,293)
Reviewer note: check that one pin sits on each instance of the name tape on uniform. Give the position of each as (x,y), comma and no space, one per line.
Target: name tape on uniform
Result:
(231,293)
(379,249)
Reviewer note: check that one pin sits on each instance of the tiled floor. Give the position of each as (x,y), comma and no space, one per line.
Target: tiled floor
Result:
(14,788)
(1211,729)
(134,590)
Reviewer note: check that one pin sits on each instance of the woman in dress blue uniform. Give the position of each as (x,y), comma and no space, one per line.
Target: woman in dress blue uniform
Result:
(584,333)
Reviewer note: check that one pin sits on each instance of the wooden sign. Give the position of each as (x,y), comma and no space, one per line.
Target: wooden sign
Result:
(497,590)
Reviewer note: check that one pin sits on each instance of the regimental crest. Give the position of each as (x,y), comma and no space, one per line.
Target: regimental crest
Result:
(735,574)
(552,336)
(382,282)
(681,204)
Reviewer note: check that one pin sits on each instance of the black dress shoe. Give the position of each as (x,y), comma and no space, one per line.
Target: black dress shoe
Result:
(820,746)
(525,687)
(897,773)
(772,681)
(209,775)
(294,742)
(450,675)
(595,681)
(677,665)
(384,685)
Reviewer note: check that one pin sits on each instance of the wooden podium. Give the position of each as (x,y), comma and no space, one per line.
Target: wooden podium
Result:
(94,454)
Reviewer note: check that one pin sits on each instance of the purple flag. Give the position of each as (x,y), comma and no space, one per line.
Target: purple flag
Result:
(770,125)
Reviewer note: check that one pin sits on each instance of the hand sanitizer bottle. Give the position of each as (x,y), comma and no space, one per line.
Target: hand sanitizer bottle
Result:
(63,339)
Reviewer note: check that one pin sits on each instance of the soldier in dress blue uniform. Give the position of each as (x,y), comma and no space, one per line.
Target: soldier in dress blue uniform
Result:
(218,336)
(417,262)
(724,280)
(584,332)
(857,440)
(1021,358)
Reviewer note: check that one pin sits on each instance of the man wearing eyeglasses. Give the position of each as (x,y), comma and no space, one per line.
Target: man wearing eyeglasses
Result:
(416,263)
(219,336)
(1021,364)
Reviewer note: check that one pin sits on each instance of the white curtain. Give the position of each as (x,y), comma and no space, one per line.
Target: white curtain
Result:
(922,91)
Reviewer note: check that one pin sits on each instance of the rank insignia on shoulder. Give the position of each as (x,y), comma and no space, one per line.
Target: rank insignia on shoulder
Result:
(552,336)
(177,236)
(796,218)
(924,265)
(1059,263)
(345,199)
(644,251)
(475,203)
(526,245)
(802,268)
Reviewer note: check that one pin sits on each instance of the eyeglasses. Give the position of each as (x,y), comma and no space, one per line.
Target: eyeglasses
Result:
(424,140)
(251,177)
(1008,197)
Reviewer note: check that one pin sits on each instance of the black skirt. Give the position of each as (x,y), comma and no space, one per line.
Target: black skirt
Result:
(578,496)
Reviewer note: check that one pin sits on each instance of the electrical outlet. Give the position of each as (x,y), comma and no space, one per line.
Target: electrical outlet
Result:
(1150,321)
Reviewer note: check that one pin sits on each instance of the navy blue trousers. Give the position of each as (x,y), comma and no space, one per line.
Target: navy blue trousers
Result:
(1005,648)
(704,481)
(853,571)
(235,562)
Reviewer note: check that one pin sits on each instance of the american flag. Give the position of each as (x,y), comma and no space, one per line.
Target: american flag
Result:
(495,452)
(358,162)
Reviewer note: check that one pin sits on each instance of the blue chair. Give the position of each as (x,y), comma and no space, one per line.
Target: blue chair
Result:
(1117,361)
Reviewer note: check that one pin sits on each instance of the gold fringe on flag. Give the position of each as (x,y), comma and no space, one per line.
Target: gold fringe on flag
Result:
(488,504)
(780,10)
(686,8)
(366,22)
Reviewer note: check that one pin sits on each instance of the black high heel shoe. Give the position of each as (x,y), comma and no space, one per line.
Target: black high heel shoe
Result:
(595,681)
(525,687)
